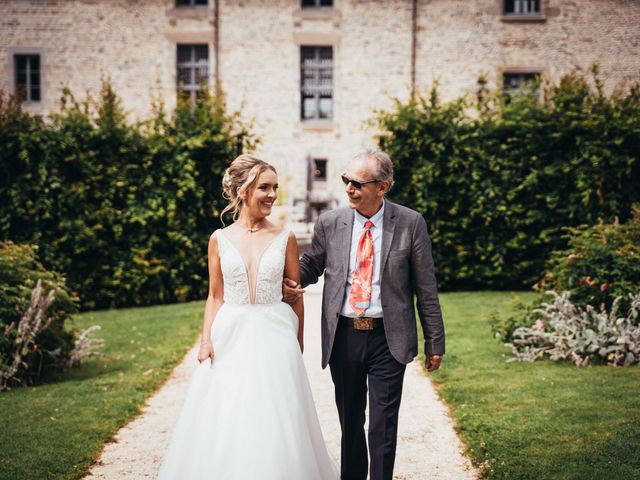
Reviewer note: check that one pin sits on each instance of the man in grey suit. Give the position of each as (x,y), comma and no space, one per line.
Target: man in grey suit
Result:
(375,257)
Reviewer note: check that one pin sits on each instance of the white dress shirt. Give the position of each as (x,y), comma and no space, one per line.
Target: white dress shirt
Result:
(375,306)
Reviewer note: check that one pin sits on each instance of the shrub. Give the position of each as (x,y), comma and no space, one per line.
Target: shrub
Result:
(565,331)
(34,305)
(503,327)
(498,181)
(601,263)
(124,209)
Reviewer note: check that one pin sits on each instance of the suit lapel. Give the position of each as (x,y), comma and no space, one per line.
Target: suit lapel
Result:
(388,229)
(343,238)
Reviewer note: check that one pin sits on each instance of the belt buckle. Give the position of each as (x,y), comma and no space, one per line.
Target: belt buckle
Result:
(363,323)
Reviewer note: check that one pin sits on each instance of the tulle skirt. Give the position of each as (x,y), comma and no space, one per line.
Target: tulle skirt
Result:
(251,414)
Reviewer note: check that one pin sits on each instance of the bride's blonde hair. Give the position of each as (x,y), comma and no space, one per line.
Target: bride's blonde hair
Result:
(239,178)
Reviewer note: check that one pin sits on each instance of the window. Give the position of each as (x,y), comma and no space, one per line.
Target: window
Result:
(514,83)
(27,77)
(320,169)
(316,3)
(193,70)
(316,79)
(522,7)
(191,3)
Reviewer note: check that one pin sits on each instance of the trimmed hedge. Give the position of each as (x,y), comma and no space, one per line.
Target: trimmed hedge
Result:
(499,178)
(124,209)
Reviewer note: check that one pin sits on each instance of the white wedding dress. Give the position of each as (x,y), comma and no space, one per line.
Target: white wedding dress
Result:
(251,415)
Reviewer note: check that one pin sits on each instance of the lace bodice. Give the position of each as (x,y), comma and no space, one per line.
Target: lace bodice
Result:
(268,276)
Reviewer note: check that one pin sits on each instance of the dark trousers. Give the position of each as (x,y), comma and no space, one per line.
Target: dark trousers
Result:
(360,357)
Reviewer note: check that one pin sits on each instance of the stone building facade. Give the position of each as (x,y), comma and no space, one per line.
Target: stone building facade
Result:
(354,56)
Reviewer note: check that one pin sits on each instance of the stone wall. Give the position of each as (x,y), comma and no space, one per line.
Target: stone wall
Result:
(84,41)
(134,44)
(457,44)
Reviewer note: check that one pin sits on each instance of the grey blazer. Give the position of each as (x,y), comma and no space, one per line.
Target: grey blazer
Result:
(407,270)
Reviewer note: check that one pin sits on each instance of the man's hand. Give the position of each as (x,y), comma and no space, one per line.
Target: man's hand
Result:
(432,362)
(291,291)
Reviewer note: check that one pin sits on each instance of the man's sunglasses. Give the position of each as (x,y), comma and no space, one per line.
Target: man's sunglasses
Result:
(356,183)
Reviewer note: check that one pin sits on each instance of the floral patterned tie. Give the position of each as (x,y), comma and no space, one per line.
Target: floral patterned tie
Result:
(360,295)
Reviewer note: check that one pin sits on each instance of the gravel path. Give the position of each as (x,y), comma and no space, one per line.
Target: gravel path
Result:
(428,447)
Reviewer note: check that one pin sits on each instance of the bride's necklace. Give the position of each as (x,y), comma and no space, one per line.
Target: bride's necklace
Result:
(253,229)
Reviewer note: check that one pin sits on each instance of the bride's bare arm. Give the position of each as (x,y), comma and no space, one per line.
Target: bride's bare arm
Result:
(292,271)
(214,300)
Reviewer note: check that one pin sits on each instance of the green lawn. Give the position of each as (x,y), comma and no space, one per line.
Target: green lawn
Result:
(522,421)
(543,420)
(55,431)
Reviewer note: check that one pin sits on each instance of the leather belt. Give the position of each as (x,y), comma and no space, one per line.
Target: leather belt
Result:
(363,323)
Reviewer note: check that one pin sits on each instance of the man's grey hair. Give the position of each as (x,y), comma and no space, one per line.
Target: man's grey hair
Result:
(383,163)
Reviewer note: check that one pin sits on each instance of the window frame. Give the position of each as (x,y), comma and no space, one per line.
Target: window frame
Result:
(325,164)
(11,84)
(30,70)
(316,5)
(539,16)
(191,4)
(316,89)
(191,88)
(536,73)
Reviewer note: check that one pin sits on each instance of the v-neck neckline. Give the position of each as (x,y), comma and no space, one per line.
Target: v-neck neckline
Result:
(259,262)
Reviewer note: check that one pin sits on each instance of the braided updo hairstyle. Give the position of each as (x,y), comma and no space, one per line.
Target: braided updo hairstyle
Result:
(239,178)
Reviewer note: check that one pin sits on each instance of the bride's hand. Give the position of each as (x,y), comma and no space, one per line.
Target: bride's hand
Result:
(291,291)
(206,351)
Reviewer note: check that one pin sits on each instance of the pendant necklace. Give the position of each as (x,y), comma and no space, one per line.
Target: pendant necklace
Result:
(253,229)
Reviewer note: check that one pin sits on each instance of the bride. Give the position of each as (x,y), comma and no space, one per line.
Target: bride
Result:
(249,413)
